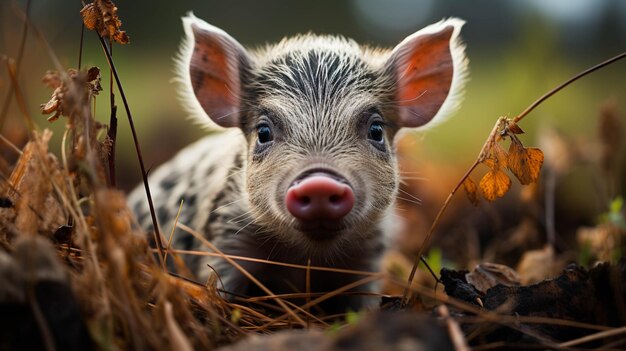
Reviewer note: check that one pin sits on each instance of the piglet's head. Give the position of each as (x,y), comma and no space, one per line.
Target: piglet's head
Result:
(320,115)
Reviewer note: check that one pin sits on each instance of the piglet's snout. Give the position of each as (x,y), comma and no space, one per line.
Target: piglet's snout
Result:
(319,197)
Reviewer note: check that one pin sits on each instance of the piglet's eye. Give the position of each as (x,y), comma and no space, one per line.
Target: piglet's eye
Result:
(375,132)
(264,133)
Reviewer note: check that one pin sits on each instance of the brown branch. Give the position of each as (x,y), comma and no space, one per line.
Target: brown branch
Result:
(481,157)
(566,83)
(80,47)
(112,130)
(144,174)
(592,337)
(502,125)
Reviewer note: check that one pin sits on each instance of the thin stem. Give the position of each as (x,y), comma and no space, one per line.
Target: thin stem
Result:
(592,337)
(80,48)
(566,83)
(481,157)
(144,174)
(112,131)
(426,241)
(423,259)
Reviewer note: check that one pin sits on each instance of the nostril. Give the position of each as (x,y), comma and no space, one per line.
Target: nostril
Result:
(319,197)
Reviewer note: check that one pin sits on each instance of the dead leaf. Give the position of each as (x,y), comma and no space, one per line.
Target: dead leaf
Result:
(471,190)
(60,84)
(514,128)
(101,16)
(51,79)
(500,155)
(524,163)
(31,190)
(90,16)
(494,184)
(487,275)
(93,80)
(537,265)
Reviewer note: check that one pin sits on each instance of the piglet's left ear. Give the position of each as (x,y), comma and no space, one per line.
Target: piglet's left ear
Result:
(429,67)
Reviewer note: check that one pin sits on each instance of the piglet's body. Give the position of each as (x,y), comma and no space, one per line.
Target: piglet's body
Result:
(303,168)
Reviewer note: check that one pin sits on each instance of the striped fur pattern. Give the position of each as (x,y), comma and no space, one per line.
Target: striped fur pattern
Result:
(319,94)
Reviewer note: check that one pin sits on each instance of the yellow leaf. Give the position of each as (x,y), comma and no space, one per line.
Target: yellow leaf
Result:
(500,155)
(495,184)
(489,162)
(525,163)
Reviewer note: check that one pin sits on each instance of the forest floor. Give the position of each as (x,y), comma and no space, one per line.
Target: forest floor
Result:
(77,274)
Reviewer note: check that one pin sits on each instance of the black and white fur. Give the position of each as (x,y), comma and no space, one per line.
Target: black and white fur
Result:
(319,94)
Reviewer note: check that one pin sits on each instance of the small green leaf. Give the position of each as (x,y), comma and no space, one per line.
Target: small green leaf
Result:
(616,205)
(352,317)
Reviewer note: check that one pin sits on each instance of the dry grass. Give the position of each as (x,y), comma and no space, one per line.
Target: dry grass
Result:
(126,297)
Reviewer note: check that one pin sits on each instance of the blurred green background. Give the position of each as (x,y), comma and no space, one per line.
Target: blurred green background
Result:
(518,50)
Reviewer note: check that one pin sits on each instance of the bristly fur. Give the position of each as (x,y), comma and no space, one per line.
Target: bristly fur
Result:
(320,95)
(321,44)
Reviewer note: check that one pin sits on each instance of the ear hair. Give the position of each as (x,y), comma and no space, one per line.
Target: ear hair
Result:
(430,69)
(209,68)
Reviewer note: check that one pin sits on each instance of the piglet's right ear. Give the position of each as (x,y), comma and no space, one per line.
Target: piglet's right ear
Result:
(214,62)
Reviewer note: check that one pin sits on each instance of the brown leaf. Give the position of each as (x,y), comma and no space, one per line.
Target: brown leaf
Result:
(57,104)
(31,189)
(93,79)
(51,79)
(90,16)
(51,106)
(537,265)
(121,37)
(101,16)
(525,163)
(495,184)
(489,162)
(500,155)
(487,275)
(515,129)
(471,190)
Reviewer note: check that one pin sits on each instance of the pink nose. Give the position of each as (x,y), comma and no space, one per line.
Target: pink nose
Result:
(319,197)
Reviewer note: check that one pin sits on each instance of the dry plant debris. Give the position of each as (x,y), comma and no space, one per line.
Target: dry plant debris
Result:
(101,16)
(60,103)
(554,310)
(525,163)
(99,285)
